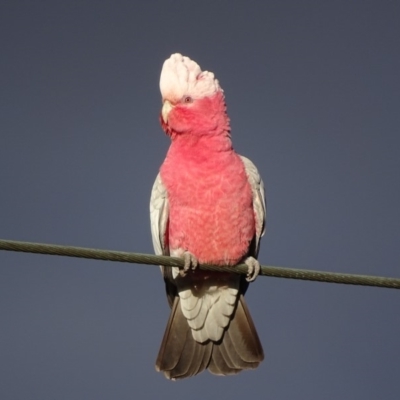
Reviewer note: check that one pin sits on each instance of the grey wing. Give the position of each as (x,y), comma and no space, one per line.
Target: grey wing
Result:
(159,212)
(259,205)
(159,216)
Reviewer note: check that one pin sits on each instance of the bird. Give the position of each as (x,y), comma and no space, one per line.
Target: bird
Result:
(207,205)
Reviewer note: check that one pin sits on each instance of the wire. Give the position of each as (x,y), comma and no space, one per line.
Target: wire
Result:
(149,259)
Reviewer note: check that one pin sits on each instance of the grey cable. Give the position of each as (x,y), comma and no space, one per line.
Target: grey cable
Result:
(149,259)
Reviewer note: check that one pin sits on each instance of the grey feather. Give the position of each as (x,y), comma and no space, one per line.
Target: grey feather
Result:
(243,335)
(159,212)
(259,204)
(173,340)
(180,356)
(159,217)
(220,360)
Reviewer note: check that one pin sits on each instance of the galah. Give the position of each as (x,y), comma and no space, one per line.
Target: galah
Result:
(207,206)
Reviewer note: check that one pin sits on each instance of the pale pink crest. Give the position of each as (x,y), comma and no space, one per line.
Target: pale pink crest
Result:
(181,76)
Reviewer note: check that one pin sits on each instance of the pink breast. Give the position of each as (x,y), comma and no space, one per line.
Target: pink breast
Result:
(211,213)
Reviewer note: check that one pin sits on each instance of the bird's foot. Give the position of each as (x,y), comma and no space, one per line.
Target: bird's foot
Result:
(253,269)
(191,263)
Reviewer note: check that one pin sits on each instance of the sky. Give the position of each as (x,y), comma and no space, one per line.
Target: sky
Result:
(313,93)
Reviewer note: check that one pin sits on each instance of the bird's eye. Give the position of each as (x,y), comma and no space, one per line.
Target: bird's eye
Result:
(187,99)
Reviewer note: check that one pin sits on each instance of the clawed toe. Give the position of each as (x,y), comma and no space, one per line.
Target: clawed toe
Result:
(253,269)
(190,263)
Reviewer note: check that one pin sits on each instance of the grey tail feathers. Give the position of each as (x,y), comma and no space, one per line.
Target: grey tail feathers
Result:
(180,356)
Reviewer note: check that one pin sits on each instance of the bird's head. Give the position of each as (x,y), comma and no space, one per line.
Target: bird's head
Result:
(193,101)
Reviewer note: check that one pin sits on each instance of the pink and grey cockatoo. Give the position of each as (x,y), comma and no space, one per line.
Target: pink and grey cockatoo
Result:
(207,206)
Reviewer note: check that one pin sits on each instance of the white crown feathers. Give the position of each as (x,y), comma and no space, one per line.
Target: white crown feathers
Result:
(181,76)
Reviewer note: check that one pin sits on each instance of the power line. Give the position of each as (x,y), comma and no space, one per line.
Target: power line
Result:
(149,259)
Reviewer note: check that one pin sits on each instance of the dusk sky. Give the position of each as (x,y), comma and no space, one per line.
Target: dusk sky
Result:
(313,94)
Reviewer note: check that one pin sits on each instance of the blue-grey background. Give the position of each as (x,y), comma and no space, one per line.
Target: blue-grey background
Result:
(313,92)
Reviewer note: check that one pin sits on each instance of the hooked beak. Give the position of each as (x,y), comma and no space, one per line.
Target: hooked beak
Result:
(166,108)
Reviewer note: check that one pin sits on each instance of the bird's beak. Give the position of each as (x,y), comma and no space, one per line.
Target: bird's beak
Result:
(166,108)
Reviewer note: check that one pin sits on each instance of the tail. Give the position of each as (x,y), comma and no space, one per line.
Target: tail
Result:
(180,356)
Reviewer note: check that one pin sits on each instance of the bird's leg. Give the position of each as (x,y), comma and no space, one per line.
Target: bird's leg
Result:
(191,263)
(253,269)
